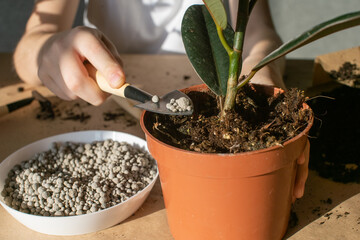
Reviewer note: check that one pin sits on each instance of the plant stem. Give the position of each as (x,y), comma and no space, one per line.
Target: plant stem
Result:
(221,102)
(234,68)
(223,40)
(246,80)
(235,61)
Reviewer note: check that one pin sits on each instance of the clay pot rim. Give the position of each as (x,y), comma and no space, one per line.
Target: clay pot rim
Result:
(269,149)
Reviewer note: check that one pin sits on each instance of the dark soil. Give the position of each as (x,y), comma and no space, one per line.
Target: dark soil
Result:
(81,117)
(348,74)
(112,116)
(335,150)
(257,122)
(46,111)
(50,111)
(76,112)
(293,220)
(118,115)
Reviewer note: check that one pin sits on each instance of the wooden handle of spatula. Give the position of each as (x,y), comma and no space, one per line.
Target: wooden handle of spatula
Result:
(103,84)
(125,91)
(3,110)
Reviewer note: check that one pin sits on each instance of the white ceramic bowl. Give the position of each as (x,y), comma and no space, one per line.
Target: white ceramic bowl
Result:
(81,224)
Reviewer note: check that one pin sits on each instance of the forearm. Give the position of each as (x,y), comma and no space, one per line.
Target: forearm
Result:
(261,39)
(271,74)
(48,18)
(26,54)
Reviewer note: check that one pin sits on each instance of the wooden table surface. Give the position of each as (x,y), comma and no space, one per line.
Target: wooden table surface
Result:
(22,127)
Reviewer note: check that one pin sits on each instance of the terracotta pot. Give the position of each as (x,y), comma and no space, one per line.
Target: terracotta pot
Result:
(227,196)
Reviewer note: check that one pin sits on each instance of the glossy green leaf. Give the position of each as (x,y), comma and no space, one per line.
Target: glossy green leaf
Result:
(331,26)
(204,49)
(217,11)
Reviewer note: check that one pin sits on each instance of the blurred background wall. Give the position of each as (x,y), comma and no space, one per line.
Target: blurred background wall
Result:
(291,18)
(13,17)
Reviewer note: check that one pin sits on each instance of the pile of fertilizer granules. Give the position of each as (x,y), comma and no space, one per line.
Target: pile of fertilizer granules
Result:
(179,105)
(76,178)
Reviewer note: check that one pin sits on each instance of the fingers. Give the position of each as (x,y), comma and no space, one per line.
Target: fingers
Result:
(302,172)
(57,90)
(78,81)
(62,70)
(51,77)
(304,158)
(100,56)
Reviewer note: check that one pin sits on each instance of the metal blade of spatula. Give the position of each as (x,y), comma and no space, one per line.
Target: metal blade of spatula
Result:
(166,103)
(173,103)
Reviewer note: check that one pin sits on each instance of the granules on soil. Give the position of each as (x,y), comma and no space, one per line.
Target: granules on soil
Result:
(335,146)
(257,122)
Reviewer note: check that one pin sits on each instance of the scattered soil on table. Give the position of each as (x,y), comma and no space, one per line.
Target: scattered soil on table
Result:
(327,201)
(81,117)
(324,206)
(112,116)
(333,214)
(335,148)
(348,74)
(293,220)
(117,115)
(52,111)
(257,122)
(186,77)
(76,112)
(47,111)
(20,89)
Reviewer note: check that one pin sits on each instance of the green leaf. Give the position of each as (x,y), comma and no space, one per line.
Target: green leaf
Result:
(204,49)
(323,29)
(217,11)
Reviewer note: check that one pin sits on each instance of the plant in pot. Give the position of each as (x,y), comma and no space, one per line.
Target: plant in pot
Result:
(228,171)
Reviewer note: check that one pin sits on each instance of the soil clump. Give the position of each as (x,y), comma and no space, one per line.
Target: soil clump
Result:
(258,121)
(348,74)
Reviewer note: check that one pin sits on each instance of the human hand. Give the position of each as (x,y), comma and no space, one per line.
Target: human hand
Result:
(302,173)
(61,64)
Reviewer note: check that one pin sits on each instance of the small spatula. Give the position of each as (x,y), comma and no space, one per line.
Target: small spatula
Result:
(149,102)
